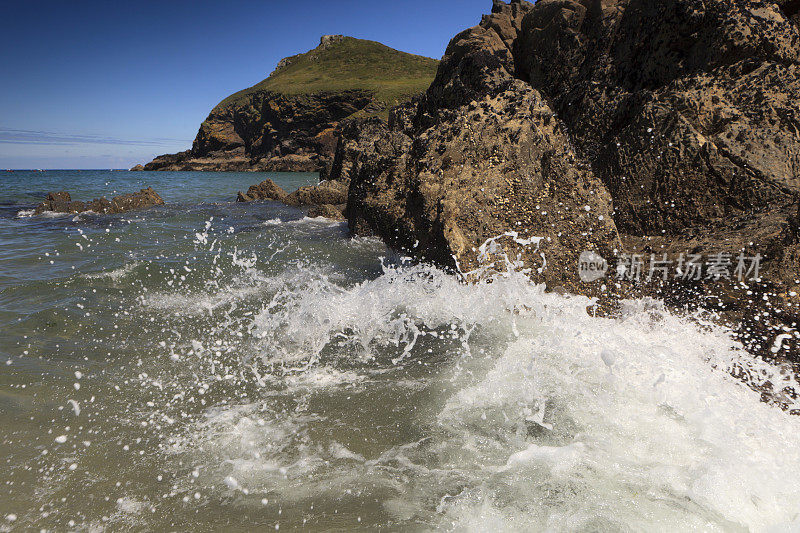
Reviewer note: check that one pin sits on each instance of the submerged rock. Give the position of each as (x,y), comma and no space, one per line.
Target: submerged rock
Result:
(326,192)
(61,202)
(333,212)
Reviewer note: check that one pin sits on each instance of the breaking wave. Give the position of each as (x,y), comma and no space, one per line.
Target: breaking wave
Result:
(486,406)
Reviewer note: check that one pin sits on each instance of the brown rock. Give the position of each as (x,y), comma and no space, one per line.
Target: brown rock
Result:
(479,60)
(684,112)
(500,171)
(266,190)
(327,192)
(282,124)
(61,202)
(127,202)
(683,115)
(334,212)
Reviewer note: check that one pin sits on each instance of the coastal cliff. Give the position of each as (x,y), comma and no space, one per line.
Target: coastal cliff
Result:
(615,127)
(287,122)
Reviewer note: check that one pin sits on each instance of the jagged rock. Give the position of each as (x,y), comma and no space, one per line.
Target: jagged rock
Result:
(791,9)
(327,192)
(688,111)
(61,202)
(266,190)
(137,168)
(334,212)
(686,132)
(354,138)
(479,60)
(326,41)
(491,178)
(327,199)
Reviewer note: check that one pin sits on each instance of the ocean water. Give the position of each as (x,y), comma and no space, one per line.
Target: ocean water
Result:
(208,365)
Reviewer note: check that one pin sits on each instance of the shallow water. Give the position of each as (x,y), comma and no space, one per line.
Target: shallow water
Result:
(215,365)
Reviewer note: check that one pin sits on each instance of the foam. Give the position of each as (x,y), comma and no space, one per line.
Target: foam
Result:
(537,416)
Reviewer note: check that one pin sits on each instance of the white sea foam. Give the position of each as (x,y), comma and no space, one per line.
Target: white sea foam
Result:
(564,422)
(531,414)
(317,222)
(26,213)
(648,429)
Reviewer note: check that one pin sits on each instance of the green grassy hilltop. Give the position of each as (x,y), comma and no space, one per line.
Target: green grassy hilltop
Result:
(348,64)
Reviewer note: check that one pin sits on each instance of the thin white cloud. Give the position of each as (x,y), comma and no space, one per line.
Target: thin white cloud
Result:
(49,138)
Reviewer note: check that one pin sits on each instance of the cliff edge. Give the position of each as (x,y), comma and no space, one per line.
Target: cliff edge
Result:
(287,122)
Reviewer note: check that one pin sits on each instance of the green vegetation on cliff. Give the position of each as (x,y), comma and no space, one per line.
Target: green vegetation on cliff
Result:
(348,64)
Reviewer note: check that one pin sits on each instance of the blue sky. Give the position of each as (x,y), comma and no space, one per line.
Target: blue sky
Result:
(110,84)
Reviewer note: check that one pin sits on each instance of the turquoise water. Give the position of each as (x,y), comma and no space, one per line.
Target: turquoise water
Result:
(216,366)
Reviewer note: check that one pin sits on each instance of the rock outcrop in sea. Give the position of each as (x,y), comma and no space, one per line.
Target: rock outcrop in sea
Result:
(62,202)
(326,199)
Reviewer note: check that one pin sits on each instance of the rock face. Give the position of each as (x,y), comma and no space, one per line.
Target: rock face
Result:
(614,126)
(684,110)
(270,132)
(688,110)
(61,202)
(494,176)
(479,60)
(478,165)
(287,122)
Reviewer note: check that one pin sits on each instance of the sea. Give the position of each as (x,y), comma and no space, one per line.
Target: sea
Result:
(209,365)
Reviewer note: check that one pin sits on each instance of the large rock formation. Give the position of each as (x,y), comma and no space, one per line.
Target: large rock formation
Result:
(62,202)
(669,125)
(287,122)
(479,165)
(266,190)
(686,109)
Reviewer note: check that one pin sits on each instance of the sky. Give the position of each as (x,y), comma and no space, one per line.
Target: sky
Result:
(91,84)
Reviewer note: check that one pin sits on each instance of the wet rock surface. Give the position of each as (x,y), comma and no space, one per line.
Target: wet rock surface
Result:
(266,190)
(327,199)
(61,202)
(333,212)
(327,192)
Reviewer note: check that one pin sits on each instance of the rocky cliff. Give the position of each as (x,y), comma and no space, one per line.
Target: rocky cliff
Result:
(613,126)
(287,122)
